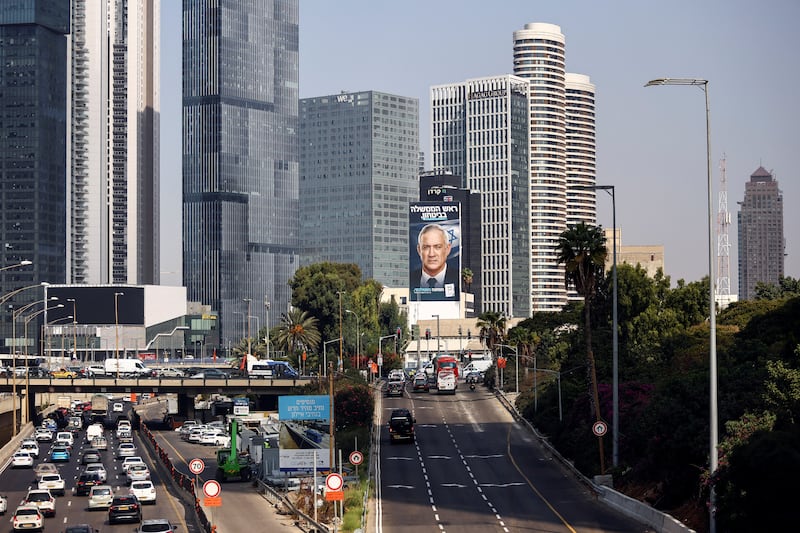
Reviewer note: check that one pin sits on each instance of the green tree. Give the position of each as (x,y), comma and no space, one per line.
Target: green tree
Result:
(314,289)
(467,277)
(491,328)
(785,288)
(582,250)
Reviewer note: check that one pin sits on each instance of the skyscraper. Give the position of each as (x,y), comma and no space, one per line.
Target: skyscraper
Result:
(562,146)
(33,133)
(359,161)
(113,200)
(761,241)
(480,131)
(240,158)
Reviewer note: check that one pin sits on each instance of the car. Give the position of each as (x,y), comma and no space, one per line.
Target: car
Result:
(473,377)
(126,449)
(187,425)
(171,373)
(85,482)
(99,469)
(130,461)
(44,468)
(210,373)
(27,517)
(420,382)
(52,482)
(100,497)
(196,434)
(43,435)
(215,437)
(144,490)
(185,435)
(21,459)
(401,425)
(3,504)
(100,444)
(90,455)
(394,388)
(43,500)
(137,473)
(63,373)
(59,454)
(81,528)
(30,446)
(94,371)
(156,525)
(117,407)
(65,438)
(125,508)
(396,375)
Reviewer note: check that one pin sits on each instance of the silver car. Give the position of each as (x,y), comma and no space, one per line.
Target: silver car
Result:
(126,449)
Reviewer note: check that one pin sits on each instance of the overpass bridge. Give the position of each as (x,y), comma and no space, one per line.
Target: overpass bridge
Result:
(266,391)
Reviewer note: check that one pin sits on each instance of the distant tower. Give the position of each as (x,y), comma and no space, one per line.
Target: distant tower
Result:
(761,241)
(723,291)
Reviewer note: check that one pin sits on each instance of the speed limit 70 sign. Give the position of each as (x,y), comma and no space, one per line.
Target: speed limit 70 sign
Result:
(196,466)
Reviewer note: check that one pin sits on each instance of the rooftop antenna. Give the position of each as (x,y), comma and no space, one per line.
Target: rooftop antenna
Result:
(723,286)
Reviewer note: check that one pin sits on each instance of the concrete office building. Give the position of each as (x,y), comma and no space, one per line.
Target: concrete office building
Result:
(240,159)
(113,197)
(359,160)
(480,131)
(562,146)
(761,242)
(33,159)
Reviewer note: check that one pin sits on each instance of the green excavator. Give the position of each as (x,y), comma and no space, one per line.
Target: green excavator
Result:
(231,464)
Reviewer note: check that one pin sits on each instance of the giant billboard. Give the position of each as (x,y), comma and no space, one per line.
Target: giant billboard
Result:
(434,251)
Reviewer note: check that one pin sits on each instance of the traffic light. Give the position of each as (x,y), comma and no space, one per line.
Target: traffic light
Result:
(399,331)
(469,334)
(428,334)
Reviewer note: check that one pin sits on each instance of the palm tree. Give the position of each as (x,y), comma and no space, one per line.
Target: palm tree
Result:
(297,332)
(467,276)
(492,328)
(582,250)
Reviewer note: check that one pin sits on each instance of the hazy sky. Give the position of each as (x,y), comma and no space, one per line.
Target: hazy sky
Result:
(650,141)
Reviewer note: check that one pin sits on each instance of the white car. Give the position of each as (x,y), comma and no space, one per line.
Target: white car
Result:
(215,438)
(126,449)
(3,504)
(65,438)
(196,433)
(99,469)
(100,497)
(22,459)
(144,490)
(130,461)
(43,435)
(52,482)
(171,373)
(117,408)
(137,473)
(30,446)
(27,517)
(43,500)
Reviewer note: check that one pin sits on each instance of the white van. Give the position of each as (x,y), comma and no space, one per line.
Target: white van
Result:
(478,365)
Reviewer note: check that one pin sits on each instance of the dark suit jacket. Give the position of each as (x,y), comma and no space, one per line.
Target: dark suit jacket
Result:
(451,276)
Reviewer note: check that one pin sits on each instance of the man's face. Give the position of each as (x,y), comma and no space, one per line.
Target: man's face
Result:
(433,249)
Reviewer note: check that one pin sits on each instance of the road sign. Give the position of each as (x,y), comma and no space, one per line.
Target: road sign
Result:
(334,482)
(334,495)
(356,458)
(212,502)
(211,488)
(599,428)
(501,362)
(196,466)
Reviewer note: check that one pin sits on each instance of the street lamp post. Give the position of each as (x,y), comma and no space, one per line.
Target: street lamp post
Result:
(325,355)
(266,307)
(614,334)
(438,331)
(116,328)
(249,301)
(358,338)
(27,321)
(516,359)
(20,264)
(74,325)
(712,343)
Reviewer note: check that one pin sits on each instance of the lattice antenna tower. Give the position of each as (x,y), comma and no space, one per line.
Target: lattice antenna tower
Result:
(723,290)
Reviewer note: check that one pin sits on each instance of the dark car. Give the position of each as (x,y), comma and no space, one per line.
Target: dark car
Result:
(125,508)
(86,481)
(210,373)
(401,425)
(91,455)
(394,388)
(421,382)
(473,377)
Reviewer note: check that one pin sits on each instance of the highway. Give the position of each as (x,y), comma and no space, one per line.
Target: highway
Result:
(472,468)
(71,509)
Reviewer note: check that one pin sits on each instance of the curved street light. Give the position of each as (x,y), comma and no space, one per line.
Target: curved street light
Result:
(20,264)
(712,320)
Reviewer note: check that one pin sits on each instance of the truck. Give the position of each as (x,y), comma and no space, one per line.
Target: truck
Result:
(232,464)
(127,368)
(99,407)
(446,382)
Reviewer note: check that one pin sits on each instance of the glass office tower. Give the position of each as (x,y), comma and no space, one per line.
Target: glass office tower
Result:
(33,136)
(240,158)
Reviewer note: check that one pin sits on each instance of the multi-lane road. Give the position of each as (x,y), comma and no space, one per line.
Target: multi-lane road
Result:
(472,468)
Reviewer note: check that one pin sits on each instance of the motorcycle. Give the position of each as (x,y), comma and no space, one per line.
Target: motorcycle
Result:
(472,385)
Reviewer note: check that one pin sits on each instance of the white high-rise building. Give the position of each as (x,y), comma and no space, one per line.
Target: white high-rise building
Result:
(480,131)
(112,200)
(561,154)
